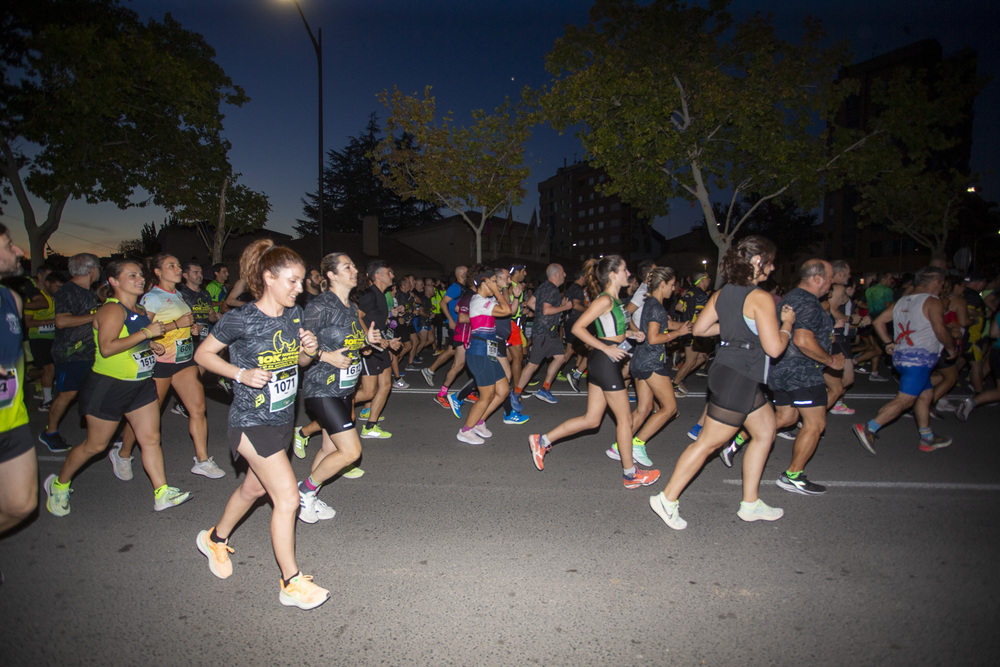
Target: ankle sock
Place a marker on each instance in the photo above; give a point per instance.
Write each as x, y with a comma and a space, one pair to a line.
926, 434
546, 386
873, 426
286, 582
214, 536
630, 472
544, 441
308, 485
792, 475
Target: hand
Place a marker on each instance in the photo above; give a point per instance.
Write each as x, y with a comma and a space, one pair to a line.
685, 329
195, 329
837, 363
340, 358
374, 335
865, 321
307, 339
395, 344
637, 336
184, 320
615, 353
255, 377
566, 304
157, 349
156, 329
787, 317
517, 290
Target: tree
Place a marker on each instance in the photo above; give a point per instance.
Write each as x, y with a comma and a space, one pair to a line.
352, 191
97, 104
144, 246
479, 168
779, 221
679, 101
923, 180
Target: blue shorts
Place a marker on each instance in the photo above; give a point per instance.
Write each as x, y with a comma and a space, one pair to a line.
914, 380
486, 370
71, 374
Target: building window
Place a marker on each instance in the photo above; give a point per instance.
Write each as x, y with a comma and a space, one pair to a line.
590, 212
590, 181
580, 213
590, 227
600, 224
600, 209
579, 199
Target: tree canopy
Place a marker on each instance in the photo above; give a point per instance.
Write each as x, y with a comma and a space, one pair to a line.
352, 190
683, 101
97, 104
478, 168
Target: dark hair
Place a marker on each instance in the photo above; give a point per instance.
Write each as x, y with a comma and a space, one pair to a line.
600, 272
260, 256
115, 267
927, 275
480, 274
735, 266
153, 263
186, 266
658, 276
217, 266
643, 269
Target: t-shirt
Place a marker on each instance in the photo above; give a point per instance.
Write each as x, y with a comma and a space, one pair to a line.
45, 331
546, 326
878, 296
690, 304
482, 325
304, 297
372, 303
575, 292
336, 326
217, 290
638, 300
74, 343
645, 356
257, 340
170, 306
794, 370
200, 302
454, 292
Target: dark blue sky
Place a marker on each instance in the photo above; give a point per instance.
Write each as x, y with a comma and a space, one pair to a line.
473, 53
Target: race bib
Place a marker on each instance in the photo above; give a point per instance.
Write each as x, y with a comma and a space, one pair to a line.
282, 388
8, 388
47, 329
145, 361
349, 376
185, 350
491, 349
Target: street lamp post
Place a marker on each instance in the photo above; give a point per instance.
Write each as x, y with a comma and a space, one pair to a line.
317, 43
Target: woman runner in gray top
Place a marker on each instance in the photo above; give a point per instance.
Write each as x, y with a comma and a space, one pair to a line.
267, 343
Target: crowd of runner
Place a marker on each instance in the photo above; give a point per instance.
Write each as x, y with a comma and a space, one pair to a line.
117, 339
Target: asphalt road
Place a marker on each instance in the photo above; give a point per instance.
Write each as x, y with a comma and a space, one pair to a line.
449, 554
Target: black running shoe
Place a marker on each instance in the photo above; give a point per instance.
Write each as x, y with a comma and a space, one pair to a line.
800, 485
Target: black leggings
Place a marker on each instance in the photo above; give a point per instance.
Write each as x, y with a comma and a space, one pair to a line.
334, 413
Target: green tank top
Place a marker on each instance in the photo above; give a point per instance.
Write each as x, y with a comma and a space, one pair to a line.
135, 363
47, 313
612, 323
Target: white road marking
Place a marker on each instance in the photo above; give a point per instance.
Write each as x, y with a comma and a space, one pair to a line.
935, 486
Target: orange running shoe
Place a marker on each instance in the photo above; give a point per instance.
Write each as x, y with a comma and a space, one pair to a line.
443, 402
538, 452
301, 592
641, 478
216, 553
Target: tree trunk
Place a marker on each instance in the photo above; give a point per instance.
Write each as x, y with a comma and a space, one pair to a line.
219, 240
37, 236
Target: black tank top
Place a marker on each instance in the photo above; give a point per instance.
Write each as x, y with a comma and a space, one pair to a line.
739, 347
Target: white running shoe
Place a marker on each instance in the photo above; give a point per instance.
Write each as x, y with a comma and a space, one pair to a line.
470, 437
207, 468
482, 431
121, 466
759, 511
668, 511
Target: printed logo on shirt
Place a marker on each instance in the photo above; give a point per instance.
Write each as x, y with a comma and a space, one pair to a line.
284, 353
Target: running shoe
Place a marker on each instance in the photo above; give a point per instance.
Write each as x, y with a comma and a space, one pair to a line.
790, 434
515, 417
863, 370
800, 485
299, 442
58, 499
840, 409
442, 401
470, 437
226, 385
324, 511
481, 430
864, 436
574, 381
169, 496
44, 407
875, 377
668, 511
207, 468
352, 472
759, 511
312, 509
538, 452
217, 554
515, 402
934, 414
701, 372
680, 389
454, 405
428, 376
560, 377
526, 394
179, 409
473, 398
639, 453
729, 452
944, 405
964, 409
411, 367
55, 442
546, 395
640, 478
301, 592
532, 383
122, 467
375, 431
364, 412
694, 431
400, 383
939, 442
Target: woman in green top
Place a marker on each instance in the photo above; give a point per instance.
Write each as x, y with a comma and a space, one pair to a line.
120, 385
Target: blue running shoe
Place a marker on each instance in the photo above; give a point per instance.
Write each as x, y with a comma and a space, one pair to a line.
515, 402
456, 406
515, 417
695, 430
545, 395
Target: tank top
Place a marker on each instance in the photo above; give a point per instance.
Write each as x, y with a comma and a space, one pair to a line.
46, 331
135, 363
170, 306
916, 344
739, 346
12, 410
612, 323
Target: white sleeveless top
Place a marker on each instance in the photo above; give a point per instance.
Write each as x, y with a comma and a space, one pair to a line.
916, 344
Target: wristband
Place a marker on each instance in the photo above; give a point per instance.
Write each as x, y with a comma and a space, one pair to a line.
237, 378
148, 335
787, 333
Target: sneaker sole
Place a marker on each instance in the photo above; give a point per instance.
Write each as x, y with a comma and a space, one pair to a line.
304, 519
795, 489
290, 601
160, 508
54, 451
218, 475
550, 401
758, 517
635, 484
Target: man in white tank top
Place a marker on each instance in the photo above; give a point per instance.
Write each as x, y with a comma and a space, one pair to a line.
918, 321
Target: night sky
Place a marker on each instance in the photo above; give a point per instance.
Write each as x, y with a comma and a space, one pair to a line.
472, 54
